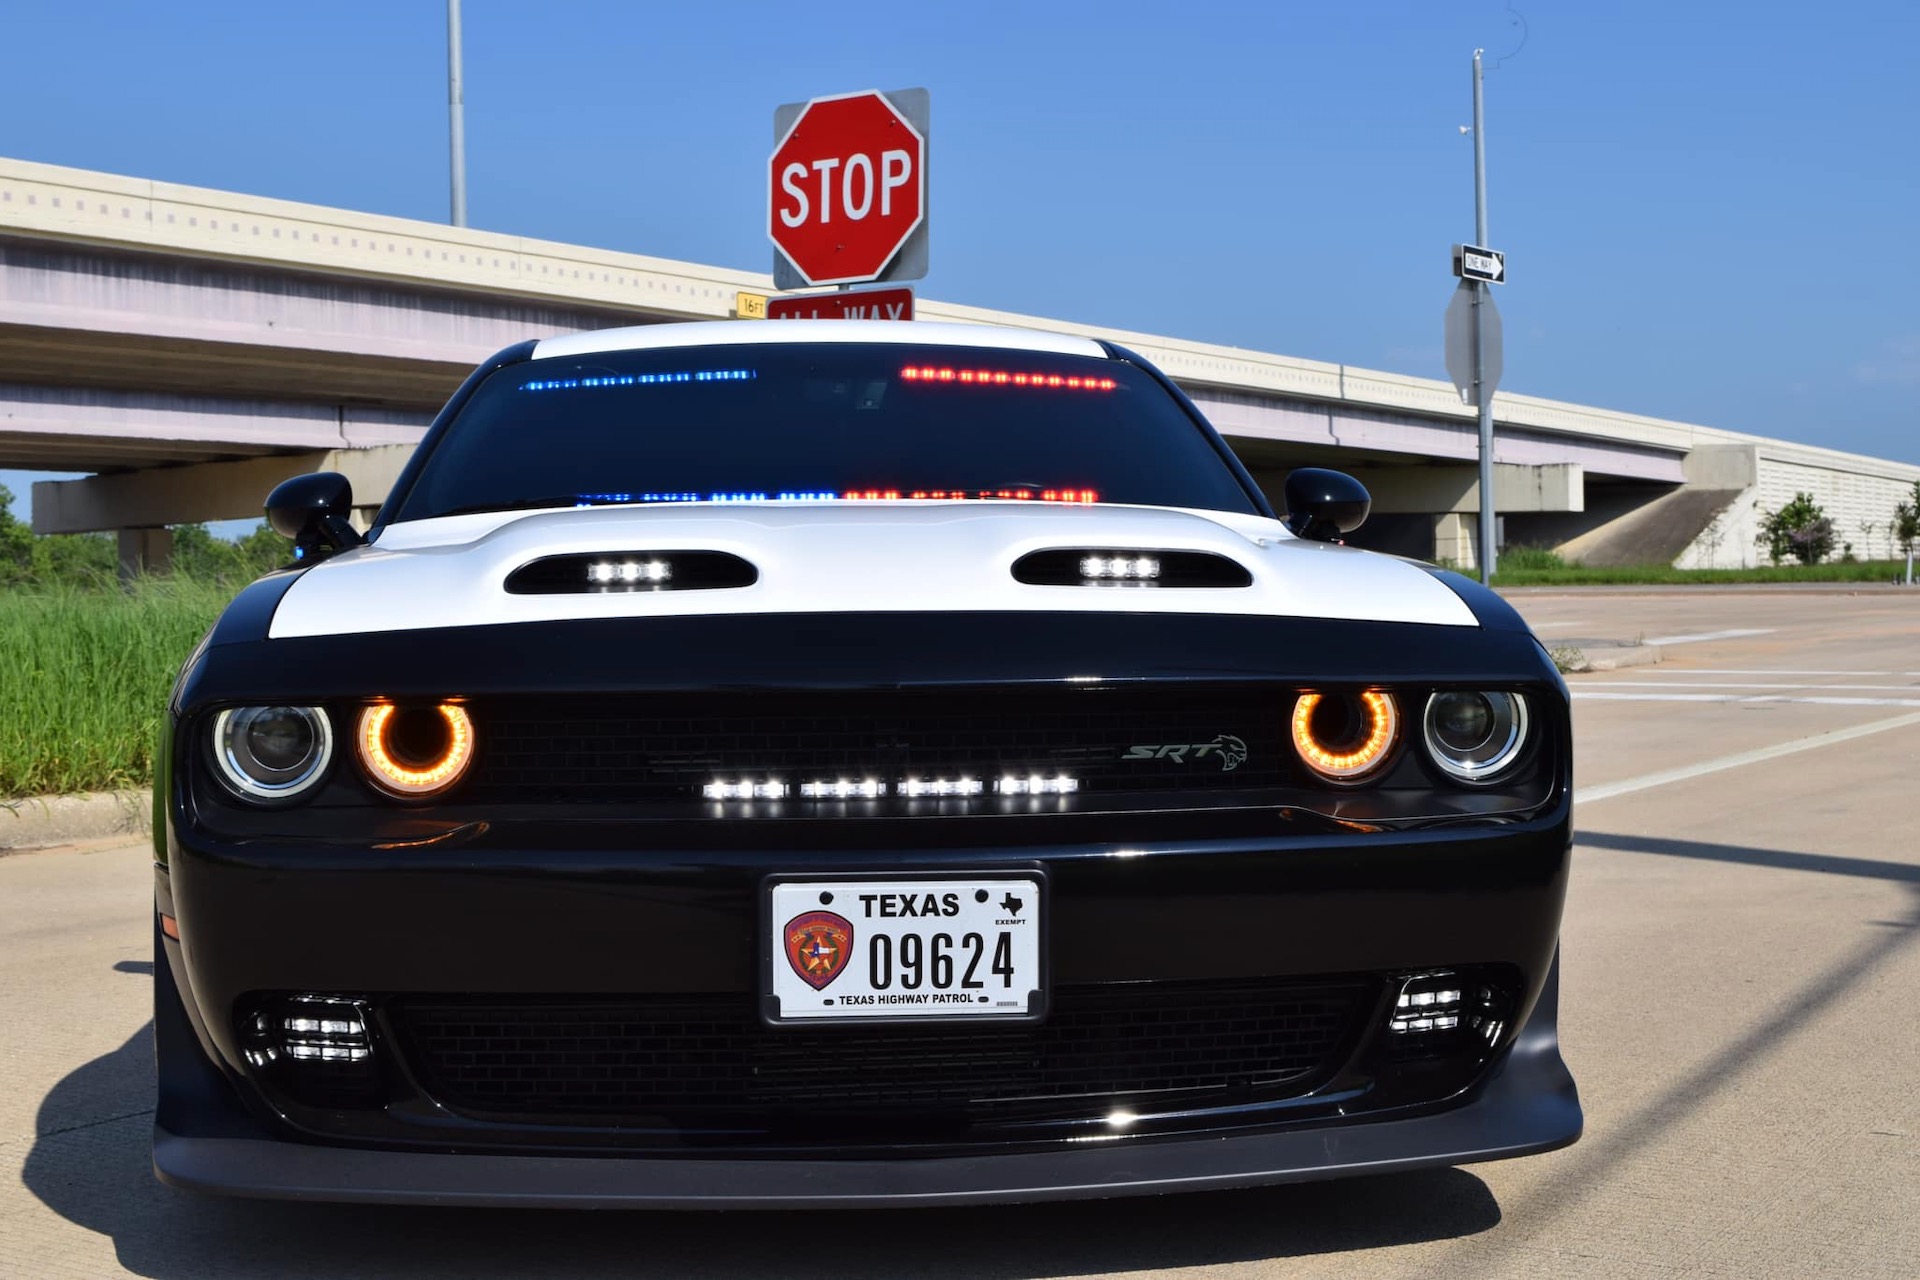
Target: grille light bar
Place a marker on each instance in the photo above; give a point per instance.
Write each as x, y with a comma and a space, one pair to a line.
874, 788
1036, 785
770, 789
843, 789
917, 787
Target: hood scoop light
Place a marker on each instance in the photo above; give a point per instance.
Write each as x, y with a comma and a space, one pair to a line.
615, 572
1129, 567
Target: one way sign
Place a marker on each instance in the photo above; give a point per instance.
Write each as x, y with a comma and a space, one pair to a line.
1471, 262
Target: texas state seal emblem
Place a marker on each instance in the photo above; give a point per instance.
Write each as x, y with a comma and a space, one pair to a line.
818, 944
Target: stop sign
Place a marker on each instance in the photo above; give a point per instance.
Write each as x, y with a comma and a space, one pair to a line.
848, 188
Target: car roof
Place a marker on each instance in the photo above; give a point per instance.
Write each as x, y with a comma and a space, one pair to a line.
726, 333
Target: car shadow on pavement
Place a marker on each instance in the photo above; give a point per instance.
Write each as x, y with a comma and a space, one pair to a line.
91, 1165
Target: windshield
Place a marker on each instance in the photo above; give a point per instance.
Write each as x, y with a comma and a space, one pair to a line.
822, 422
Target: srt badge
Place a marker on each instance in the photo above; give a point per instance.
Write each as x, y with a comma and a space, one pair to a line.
818, 944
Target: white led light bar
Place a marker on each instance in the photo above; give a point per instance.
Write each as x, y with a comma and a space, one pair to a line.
1120, 568
917, 787
768, 789
843, 789
1437, 1009
1036, 785
628, 572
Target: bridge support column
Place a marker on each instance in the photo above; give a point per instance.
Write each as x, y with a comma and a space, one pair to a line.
144, 551
1456, 537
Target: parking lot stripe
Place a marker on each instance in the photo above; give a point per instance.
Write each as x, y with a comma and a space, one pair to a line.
1734, 634
1596, 695
1768, 671
1744, 684
1608, 790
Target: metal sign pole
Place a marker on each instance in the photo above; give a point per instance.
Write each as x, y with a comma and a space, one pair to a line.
456, 115
1481, 398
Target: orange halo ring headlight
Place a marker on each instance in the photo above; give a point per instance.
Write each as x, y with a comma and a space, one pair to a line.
1345, 737
414, 752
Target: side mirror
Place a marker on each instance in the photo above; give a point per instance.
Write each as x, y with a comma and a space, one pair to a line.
1322, 504
313, 510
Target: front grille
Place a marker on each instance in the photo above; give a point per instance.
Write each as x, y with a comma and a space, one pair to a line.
679, 1058
651, 747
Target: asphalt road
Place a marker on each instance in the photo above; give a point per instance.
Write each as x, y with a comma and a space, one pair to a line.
1741, 1008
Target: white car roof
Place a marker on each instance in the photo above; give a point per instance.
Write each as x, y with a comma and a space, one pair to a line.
728, 333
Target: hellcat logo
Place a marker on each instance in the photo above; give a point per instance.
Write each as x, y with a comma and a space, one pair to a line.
1230, 751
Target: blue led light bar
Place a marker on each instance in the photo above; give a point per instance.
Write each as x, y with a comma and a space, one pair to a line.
642, 379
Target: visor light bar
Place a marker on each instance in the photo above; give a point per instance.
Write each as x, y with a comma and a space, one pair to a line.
1005, 378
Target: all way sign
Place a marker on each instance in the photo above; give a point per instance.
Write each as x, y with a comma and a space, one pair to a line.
1471, 262
866, 304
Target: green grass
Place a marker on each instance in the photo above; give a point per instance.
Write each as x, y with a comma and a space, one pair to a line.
1531, 572
84, 676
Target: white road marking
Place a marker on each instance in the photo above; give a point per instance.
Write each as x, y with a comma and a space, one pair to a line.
1558, 623
1765, 671
1734, 634
1606, 791
1746, 684
1598, 696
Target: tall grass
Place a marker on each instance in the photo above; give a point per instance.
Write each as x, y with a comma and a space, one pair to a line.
84, 676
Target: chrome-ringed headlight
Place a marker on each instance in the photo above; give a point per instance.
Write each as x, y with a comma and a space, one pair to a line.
1475, 735
272, 754
1345, 738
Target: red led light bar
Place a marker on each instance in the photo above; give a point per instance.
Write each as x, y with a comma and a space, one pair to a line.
1005, 378
971, 495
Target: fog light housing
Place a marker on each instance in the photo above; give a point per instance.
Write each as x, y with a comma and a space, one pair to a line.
318, 1050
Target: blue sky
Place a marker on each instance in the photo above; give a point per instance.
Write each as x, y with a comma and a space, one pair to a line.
1708, 209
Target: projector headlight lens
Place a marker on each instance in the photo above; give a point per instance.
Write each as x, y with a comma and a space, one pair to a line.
1474, 735
1344, 737
414, 752
272, 755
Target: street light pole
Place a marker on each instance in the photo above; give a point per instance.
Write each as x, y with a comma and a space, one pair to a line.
1482, 400
456, 115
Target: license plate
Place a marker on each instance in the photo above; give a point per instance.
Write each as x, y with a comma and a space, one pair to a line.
875, 948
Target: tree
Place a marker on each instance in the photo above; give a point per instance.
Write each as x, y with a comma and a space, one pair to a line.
1800, 529
1906, 520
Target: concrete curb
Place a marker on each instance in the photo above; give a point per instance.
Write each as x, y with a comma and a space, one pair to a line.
1582, 656
39, 821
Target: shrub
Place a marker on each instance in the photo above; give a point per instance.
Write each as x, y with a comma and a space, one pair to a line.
1800, 529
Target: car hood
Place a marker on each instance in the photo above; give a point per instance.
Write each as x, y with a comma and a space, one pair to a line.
855, 557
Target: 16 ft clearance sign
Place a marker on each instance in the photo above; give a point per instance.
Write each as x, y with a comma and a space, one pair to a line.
848, 187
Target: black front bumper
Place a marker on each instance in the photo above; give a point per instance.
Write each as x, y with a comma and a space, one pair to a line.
517, 925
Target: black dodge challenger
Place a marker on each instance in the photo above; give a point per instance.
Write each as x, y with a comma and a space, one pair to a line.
845, 764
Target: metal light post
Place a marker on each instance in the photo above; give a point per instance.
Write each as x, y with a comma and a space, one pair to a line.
1481, 398
456, 110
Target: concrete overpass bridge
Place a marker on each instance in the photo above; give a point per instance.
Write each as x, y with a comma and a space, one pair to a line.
192, 347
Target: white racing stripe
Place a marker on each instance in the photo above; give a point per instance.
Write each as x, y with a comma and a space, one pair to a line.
1735, 634
1606, 791
1597, 696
